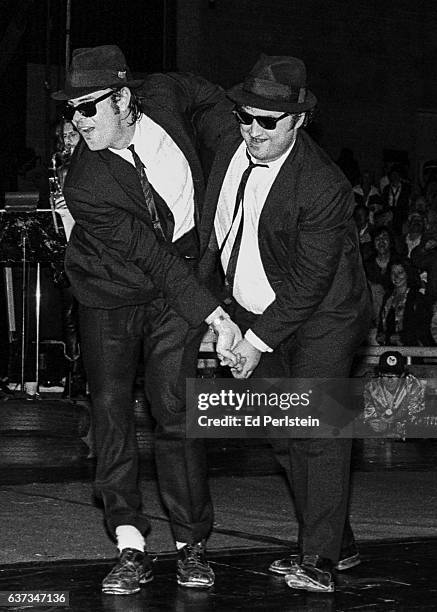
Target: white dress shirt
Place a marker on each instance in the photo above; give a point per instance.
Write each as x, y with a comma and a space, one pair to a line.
167, 170
251, 287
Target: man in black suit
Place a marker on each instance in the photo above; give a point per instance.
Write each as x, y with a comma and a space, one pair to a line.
278, 213
134, 189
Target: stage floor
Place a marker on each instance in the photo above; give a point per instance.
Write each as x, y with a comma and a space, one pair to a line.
397, 575
53, 536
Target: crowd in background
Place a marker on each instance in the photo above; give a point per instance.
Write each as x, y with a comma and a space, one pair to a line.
397, 228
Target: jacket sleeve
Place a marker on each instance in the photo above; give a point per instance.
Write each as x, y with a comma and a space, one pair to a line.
122, 235
172, 275
203, 103
323, 234
206, 107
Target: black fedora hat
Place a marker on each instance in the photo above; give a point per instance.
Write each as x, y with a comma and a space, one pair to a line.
95, 68
277, 83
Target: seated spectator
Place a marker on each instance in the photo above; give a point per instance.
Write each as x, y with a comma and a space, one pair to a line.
405, 313
377, 266
365, 192
413, 236
375, 207
394, 398
383, 217
361, 216
424, 258
396, 196
421, 206
384, 180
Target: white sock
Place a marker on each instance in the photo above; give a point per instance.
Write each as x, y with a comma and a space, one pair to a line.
180, 545
128, 536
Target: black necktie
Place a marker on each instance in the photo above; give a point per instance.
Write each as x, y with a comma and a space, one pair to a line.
232, 264
148, 195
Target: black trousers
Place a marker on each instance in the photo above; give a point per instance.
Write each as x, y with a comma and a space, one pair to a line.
319, 469
111, 344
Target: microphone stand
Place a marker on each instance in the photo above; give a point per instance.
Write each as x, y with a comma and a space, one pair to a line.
23, 307
37, 315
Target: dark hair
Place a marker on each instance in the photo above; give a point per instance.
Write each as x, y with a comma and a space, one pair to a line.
59, 144
383, 229
413, 275
134, 107
309, 116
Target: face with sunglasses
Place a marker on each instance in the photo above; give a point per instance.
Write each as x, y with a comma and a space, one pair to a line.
101, 120
268, 134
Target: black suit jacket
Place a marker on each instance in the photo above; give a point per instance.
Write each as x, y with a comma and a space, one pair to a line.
308, 244
113, 257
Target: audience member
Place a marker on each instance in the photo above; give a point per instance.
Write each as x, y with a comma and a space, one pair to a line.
377, 266
405, 315
383, 217
384, 180
420, 205
424, 258
365, 192
413, 237
396, 196
393, 398
361, 217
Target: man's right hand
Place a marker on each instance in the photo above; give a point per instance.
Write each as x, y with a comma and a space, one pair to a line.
228, 336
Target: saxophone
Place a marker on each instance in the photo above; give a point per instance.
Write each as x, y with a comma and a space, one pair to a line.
55, 188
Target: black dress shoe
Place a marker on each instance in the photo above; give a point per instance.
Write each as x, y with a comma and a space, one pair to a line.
349, 558
193, 570
314, 573
133, 569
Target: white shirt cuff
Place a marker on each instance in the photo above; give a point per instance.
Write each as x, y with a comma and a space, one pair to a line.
257, 342
218, 312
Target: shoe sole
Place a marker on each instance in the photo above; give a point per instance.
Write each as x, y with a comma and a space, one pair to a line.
295, 581
342, 566
120, 592
348, 563
195, 585
115, 591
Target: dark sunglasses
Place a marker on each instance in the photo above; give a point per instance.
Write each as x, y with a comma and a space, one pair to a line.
87, 109
267, 123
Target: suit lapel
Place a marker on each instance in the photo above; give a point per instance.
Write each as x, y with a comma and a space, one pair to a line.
279, 201
126, 176
215, 182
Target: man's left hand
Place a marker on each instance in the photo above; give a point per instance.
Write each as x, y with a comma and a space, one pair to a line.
228, 336
249, 357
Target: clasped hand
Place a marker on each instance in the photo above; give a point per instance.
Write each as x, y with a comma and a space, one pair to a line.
233, 350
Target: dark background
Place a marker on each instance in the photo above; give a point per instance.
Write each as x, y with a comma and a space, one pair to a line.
371, 63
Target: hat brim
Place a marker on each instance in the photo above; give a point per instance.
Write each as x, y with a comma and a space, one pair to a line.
70, 93
243, 97
388, 370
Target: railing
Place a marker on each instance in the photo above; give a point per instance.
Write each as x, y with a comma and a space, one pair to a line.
372, 353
